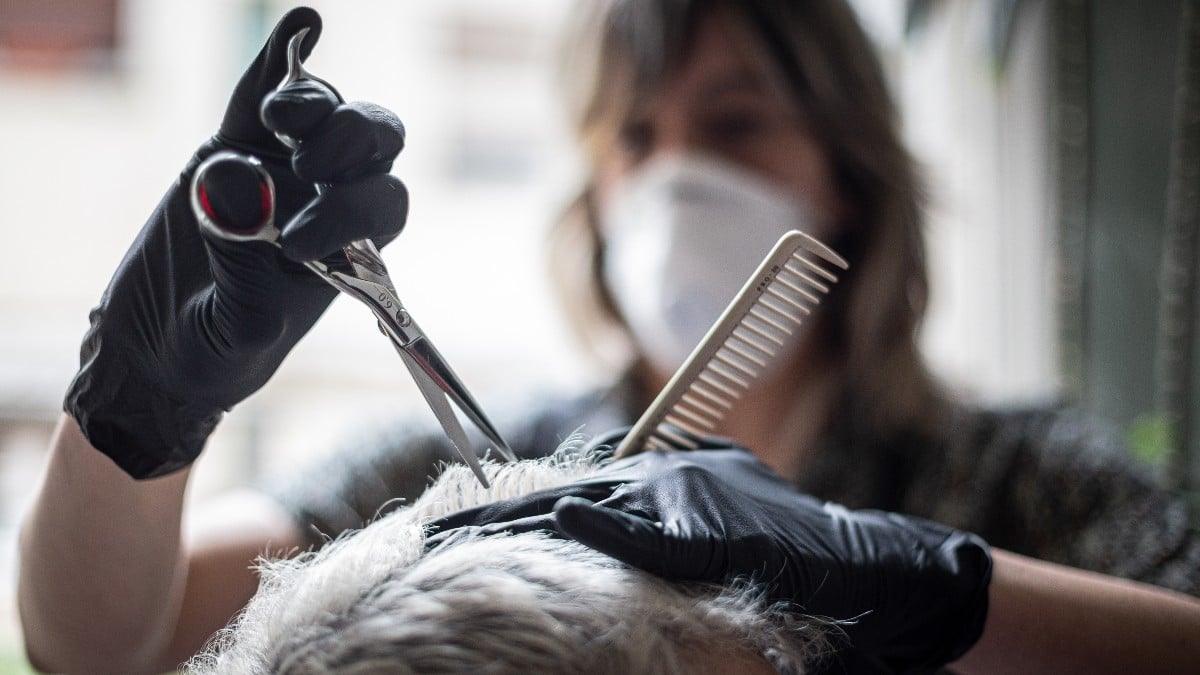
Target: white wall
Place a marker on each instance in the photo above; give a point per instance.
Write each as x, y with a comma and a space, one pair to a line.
980, 129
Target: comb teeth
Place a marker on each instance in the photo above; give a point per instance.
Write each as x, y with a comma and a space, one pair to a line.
781, 294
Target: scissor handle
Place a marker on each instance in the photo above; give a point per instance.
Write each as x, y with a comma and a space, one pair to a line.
296, 72
233, 197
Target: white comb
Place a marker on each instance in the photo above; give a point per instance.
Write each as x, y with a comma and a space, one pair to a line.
778, 297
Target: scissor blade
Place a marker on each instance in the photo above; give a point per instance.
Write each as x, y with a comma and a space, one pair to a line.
431, 362
445, 415
367, 263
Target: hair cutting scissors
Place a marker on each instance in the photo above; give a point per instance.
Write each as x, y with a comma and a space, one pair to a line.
364, 277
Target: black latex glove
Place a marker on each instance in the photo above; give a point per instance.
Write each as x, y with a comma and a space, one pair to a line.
191, 325
916, 590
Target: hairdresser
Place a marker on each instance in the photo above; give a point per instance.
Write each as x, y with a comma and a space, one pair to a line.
777, 113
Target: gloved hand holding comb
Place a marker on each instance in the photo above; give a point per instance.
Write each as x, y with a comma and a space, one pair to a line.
191, 324
914, 593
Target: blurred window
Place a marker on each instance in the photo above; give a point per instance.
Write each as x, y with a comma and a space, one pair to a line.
482, 41
498, 63
53, 35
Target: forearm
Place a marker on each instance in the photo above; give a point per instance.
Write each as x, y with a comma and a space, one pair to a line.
101, 575
1049, 618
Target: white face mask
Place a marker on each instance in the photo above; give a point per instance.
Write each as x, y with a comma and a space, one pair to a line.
681, 236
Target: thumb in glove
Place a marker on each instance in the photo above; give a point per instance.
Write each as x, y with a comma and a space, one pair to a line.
242, 127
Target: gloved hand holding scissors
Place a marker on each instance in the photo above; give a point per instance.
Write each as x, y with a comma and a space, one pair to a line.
191, 324
914, 591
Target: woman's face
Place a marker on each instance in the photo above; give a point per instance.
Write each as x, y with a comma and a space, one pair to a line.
721, 103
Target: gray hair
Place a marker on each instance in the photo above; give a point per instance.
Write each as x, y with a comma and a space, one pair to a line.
375, 601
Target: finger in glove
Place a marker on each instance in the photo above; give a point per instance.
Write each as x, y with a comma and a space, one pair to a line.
535, 523
355, 140
374, 207
299, 107
242, 125
539, 503
630, 538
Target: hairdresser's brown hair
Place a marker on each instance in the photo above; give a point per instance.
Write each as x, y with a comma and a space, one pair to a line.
621, 51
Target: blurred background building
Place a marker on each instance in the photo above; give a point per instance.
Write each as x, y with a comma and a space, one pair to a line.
1061, 141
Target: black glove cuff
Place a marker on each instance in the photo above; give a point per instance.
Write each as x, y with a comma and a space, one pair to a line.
965, 564
974, 559
946, 574
145, 432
